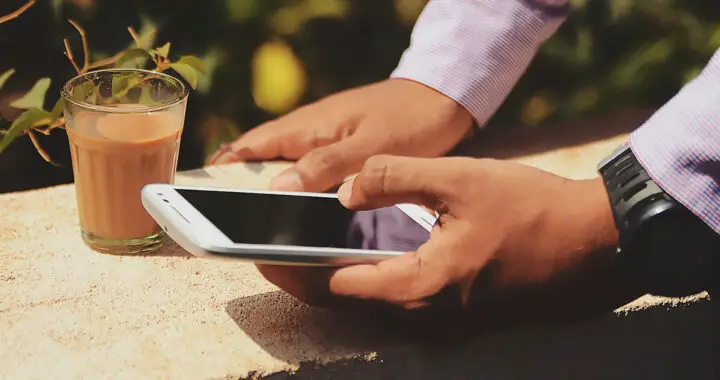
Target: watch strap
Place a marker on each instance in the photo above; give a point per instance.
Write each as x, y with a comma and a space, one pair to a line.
666, 249
631, 191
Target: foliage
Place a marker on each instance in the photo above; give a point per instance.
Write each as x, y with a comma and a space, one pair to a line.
263, 58
608, 56
614, 55
36, 119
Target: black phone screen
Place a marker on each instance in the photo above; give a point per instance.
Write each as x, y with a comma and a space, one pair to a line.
250, 218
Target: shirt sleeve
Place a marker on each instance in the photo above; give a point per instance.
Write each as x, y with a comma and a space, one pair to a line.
679, 145
474, 51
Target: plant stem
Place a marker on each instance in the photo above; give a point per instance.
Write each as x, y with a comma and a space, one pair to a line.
68, 53
105, 62
134, 35
83, 37
40, 150
45, 132
17, 13
162, 66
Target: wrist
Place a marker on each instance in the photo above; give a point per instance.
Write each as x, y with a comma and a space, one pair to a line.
589, 218
449, 112
582, 231
598, 225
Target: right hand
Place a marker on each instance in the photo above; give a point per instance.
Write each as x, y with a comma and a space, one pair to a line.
504, 228
333, 137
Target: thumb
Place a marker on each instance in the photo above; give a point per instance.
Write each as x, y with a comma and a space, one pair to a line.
324, 167
390, 180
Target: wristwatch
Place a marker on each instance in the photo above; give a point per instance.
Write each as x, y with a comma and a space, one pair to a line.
666, 249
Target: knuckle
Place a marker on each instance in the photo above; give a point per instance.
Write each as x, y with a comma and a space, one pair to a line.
423, 287
321, 137
378, 162
325, 159
413, 289
465, 172
320, 163
376, 171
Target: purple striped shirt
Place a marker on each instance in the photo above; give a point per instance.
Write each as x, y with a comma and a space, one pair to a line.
474, 51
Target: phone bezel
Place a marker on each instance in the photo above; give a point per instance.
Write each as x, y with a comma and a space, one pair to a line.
197, 230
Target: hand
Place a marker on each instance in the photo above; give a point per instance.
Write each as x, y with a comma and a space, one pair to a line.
502, 226
332, 138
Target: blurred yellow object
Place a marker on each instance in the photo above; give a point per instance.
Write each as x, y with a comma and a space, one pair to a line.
278, 77
290, 18
241, 10
537, 109
585, 99
409, 10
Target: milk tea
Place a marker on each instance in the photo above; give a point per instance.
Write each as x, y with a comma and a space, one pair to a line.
114, 155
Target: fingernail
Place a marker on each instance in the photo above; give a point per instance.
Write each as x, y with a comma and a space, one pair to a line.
287, 181
345, 191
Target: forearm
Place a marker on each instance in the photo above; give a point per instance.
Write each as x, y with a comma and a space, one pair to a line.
474, 51
680, 145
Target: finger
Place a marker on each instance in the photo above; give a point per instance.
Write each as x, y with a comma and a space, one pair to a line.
308, 284
405, 280
264, 142
325, 167
389, 180
289, 137
256, 142
224, 148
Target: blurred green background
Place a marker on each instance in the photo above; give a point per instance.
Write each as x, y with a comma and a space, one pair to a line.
266, 57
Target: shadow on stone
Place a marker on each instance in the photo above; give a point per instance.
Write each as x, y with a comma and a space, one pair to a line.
649, 344
294, 332
565, 332
195, 173
255, 167
170, 249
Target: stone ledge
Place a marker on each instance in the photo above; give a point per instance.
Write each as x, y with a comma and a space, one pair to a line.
68, 312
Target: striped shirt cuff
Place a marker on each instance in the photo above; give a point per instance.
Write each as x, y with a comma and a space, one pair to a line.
679, 145
474, 51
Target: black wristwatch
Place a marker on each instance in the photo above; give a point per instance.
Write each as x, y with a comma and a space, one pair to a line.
666, 248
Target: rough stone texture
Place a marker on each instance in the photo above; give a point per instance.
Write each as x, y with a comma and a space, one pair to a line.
67, 312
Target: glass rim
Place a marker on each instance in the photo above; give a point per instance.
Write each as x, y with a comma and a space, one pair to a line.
182, 94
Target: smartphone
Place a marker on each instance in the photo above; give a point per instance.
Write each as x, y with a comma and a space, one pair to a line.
271, 227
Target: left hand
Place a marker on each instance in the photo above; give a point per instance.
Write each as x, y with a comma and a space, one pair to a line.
508, 224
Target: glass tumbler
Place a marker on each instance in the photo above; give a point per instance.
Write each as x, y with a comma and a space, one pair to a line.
124, 128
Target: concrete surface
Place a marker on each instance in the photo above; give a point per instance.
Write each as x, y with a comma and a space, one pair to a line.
67, 312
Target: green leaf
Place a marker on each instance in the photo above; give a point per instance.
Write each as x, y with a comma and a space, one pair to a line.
194, 62
57, 7
131, 55
146, 34
5, 76
30, 118
188, 72
122, 84
146, 98
84, 92
164, 50
634, 67
212, 59
620, 9
35, 98
57, 111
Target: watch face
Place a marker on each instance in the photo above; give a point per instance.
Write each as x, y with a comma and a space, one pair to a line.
670, 253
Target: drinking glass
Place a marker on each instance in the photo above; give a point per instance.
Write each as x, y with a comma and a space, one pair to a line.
124, 128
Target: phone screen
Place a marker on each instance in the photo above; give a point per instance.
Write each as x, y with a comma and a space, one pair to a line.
250, 218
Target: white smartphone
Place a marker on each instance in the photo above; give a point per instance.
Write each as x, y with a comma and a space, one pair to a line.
271, 227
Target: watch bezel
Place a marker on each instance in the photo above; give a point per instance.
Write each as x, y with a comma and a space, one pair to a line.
612, 157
